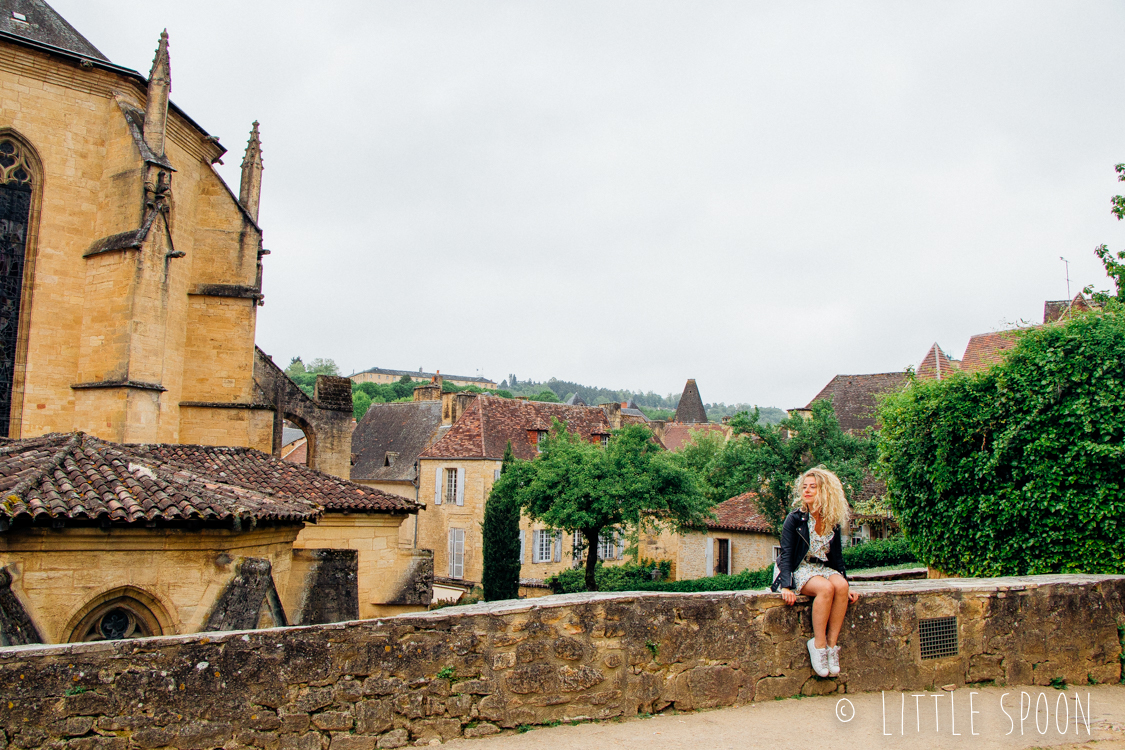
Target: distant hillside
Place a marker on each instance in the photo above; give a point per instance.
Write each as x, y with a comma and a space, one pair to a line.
654, 405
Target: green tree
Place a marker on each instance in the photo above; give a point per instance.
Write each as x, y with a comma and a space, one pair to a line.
1019, 469
1113, 262
321, 366
361, 402
768, 458
501, 533
296, 367
578, 486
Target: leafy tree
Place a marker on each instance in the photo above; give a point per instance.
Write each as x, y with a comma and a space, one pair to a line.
321, 366
361, 402
1114, 267
501, 530
579, 486
296, 367
767, 459
1019, 469
546, 395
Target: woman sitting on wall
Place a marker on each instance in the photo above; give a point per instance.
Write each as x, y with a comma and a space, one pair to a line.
811, 561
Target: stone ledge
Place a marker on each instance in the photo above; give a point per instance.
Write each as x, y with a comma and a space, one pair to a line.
442, 674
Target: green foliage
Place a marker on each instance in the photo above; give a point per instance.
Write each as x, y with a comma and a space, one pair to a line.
501, 533
625, 577
1020, 469
360, 403
321, 366
767, 459
744, 581
445, 673
575, 485
879, 553
296, 367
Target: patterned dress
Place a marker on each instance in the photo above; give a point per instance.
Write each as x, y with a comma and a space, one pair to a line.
818, 547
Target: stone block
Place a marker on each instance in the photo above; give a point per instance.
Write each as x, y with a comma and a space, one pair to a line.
352, 742
373, 716
492, 707
503, 660
394, 738
819, 686
294, 723
98, 743
151, 737
202, 735
459, 705
484, 729
332, 720
713, 686
780, 686
446, 729
475, 687
264, 721
306, 741
534, 678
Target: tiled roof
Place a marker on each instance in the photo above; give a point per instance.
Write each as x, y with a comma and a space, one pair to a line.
254, 470
486, 426
740, 514
404, 429
298, 454
936, 364
1054, 310
81, 478
690, 408
41, 23
677, 435
987, 349
854, 397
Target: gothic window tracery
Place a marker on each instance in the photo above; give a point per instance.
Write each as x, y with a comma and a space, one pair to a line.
16, 184
116, 620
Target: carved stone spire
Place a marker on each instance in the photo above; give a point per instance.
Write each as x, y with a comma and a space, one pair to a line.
159, 87
250, 189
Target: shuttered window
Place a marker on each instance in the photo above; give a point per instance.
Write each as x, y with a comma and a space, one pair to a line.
451, 486
456, 553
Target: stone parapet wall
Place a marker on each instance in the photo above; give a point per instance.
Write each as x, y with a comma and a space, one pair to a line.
471, 671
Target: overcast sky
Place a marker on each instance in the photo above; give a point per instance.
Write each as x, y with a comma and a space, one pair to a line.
629, 194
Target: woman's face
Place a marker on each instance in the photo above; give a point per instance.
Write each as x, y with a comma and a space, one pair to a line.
808, 490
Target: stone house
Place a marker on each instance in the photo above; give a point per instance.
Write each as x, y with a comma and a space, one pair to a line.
101, 540
456, 473
383, 375
738, 538
135, 272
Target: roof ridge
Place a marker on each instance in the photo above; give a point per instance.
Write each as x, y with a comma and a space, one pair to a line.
54, 462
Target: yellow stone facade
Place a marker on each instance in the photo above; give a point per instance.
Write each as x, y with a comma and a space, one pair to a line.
129, 341
688, 552
176, 575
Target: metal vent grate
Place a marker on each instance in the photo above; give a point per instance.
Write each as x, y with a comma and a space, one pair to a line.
938, 637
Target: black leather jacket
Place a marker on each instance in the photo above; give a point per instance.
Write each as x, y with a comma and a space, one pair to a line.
795, 545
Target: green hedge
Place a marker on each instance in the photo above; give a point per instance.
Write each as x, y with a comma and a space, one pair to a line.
1020, 469
627, 577
878, 553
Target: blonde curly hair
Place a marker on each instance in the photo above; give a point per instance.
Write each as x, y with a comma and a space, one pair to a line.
831, 501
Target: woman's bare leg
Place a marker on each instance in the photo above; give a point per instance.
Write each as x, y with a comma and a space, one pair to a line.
822, 591
839, 607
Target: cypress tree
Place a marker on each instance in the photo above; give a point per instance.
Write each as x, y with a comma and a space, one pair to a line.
501, 532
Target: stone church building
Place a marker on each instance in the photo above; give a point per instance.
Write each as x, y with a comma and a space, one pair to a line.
131, 273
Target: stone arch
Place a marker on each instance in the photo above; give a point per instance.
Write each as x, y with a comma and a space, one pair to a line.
21, 198
123, 612
325, 418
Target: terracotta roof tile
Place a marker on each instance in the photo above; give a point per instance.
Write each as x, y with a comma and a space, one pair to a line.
78, 477
936, 365
854, 397
740, 514
257, 471
987, 349
486, 426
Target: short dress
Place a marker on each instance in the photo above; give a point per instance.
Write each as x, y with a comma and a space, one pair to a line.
818, 547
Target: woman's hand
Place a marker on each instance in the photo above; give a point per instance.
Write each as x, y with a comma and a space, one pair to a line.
788, 597
853, 596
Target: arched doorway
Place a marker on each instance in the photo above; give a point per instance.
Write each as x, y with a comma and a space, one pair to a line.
117, 615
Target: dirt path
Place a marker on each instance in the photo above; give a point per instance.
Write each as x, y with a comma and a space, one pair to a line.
807, 723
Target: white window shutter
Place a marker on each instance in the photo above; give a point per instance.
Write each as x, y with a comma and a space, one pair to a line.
523, 536
496, 475
535, 545
620, 546
438, 477
452, 550
710, 557
460, 486
460, 571
558, 546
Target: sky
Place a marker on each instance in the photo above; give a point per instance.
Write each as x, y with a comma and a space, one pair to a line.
759, 196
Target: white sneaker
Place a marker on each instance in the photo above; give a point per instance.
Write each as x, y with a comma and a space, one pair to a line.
833, 660
819, 658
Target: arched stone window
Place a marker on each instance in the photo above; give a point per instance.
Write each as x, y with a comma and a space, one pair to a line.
20, 178
123, 617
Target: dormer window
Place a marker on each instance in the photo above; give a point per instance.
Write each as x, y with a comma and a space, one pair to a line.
605, 440
540, 440
19, 17
389, 458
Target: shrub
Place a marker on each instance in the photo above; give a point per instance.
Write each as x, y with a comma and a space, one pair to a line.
625, 577
1020, 469
878, 553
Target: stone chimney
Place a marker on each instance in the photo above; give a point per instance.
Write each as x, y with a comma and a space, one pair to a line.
159, 89
453, 405
250, 188
430, 391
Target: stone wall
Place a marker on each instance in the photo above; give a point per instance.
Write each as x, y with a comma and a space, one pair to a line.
473, 670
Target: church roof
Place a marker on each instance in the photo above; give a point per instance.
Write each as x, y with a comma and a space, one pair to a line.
37, 21
690, 408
